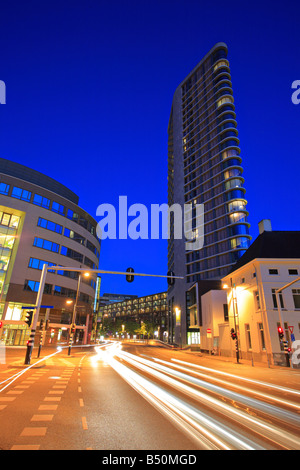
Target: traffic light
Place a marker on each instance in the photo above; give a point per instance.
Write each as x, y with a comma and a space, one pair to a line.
280, 332
1, 324
233, 334
41, 323
28, 318
171, 280
129, 278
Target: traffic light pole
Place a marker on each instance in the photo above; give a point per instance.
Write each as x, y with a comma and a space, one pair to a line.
36, 312
73, 325
79, 270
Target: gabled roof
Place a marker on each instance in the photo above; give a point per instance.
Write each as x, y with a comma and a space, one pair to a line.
273, 244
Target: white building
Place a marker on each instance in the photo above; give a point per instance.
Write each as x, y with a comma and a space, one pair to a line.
271, 262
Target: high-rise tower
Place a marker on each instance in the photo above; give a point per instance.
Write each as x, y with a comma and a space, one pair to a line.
205, 167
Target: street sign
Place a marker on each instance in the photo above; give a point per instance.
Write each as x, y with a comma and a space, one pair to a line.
208, 333
34, 307
292, 337
291, 328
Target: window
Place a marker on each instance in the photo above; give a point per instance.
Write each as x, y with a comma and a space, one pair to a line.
33, 286
4, 188
296, 297
47, 224
9, 220
275, 299
257, 300
58, 290
65, 251
22, 194
38, 264
293, 272
248, 336
74, 236
89, 263
41, 201
225, 310
262, 336
46, 244
273, 271
58, 208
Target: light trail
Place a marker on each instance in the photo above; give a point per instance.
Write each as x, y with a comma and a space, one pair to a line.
14, 377
225, 383
256, 424
203, 430
245, 379
262, 429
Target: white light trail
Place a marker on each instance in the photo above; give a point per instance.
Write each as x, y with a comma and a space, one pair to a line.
257, 425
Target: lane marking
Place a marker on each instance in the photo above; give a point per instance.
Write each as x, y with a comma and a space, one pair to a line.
42, 418
26, 447
47, 407
84, 423
34, 431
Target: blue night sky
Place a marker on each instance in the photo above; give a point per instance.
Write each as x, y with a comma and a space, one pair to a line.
89, 92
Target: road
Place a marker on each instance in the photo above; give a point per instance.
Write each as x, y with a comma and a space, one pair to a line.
139, 397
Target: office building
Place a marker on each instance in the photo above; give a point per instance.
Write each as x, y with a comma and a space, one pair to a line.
42, 223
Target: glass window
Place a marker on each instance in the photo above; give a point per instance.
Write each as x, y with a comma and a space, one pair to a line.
248, 336
293, 272
6, 219
33, 286
4, 188
262, 336
41, 201
14, 221
273, 271
46, 244
296, 297
22, 194
49, 225
58, 208
38, 264
275, 305
71, 254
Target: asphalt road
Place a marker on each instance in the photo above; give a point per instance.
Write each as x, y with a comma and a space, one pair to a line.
139, 397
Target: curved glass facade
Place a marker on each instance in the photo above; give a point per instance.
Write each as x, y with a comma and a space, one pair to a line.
212, 166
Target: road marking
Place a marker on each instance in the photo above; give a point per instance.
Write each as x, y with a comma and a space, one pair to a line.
42, 418
48, 407
84, 423
15, 392
2, 407
59, 386
26, 447
22, 386
79, 390
56, 392
81, 402
7, 398
52, 398
34, 432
